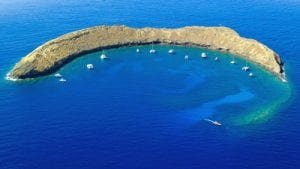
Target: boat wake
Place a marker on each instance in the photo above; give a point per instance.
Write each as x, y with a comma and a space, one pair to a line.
213, 122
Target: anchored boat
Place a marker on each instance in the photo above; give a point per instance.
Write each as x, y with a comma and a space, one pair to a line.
58, 75
186, 57
246, 68
152, 50
171, 51
90, 66
103, 56
203, 55
62, 80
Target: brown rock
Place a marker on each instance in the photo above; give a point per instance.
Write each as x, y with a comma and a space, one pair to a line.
52, 55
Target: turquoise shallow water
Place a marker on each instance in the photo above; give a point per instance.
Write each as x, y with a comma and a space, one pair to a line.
146, 111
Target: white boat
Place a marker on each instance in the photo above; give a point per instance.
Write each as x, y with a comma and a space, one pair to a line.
137, 50
216, 58
245, 68
103, 56
186, 57
251, 74
90, 66
203, 55
232, 61
171, 51
152, 50
58, 75
62, 80
213, 122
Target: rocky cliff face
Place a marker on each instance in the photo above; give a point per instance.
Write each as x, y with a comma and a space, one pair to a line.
52, 55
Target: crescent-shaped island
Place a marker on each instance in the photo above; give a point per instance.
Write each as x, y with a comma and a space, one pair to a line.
55, 53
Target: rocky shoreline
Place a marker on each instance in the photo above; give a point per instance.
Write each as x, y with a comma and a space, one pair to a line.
54, 54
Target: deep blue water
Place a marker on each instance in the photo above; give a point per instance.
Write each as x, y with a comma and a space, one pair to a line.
146, 111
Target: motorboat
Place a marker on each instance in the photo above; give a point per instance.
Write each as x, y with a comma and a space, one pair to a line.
213, 122
58, 75
245, 68
137, 50
203, 55
216, 58
251, 74
62, 80
232, 62
103, 56
171, 51
186, 57
90, 66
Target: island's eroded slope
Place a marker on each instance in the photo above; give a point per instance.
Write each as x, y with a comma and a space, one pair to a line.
52, 55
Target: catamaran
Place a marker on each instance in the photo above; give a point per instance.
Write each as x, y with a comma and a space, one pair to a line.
152, 50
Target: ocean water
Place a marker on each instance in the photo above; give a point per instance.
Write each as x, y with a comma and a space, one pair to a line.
137, 110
